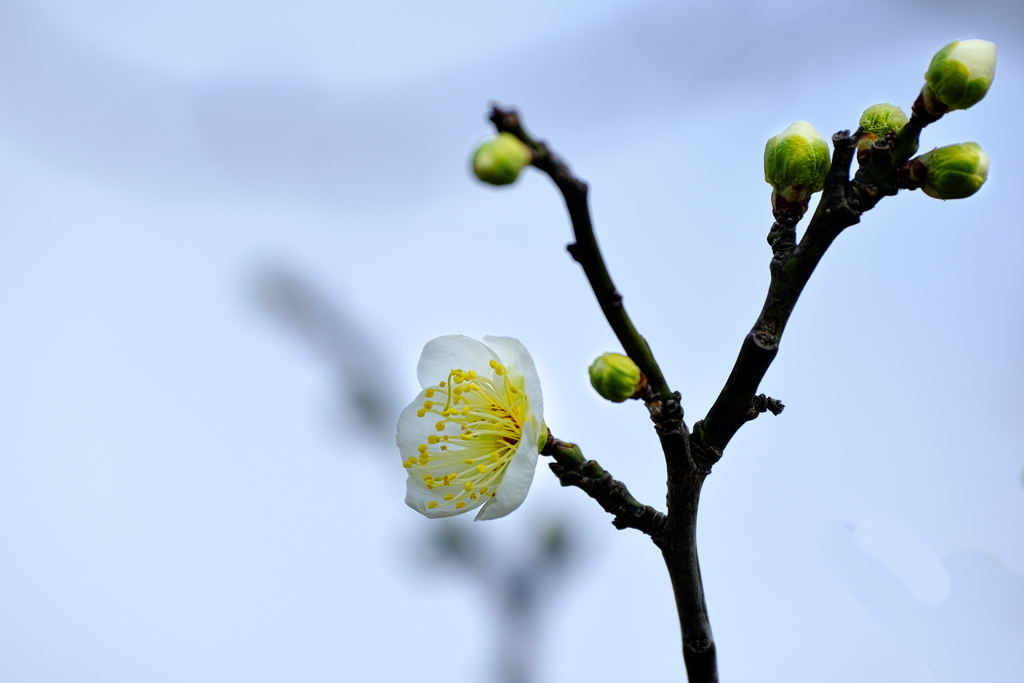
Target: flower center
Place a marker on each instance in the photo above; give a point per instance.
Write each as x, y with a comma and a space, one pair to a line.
480, 425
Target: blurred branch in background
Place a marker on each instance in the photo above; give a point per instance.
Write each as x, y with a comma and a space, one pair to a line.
333, 333
293, 136
518, 581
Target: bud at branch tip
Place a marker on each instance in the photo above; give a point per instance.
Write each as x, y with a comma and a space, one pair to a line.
952, 172
499, 160
959, 76
796, 162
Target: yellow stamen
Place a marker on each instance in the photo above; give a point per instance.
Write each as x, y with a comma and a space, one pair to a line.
487, 411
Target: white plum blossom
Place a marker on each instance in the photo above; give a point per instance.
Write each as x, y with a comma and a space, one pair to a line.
472, 436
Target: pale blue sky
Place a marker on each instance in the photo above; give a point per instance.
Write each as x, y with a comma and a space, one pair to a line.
180, 499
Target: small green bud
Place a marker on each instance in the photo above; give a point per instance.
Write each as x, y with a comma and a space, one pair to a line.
952, 172
959, 75
616, 377
881, 118
499, 160
796, 162
875, 123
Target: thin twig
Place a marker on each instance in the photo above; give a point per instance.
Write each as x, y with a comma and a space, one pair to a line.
572, 469
674, 532
586, 251
842, 203
689, 458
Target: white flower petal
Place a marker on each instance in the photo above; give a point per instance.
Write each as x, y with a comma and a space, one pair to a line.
412, 429
517, 480
419, 498
470, 437
514, 355
444, 354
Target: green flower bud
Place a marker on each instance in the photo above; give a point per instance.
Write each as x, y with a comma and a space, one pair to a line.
952, 172
499, 160
875, 123
796, 162
881, 118
959, 75
616, 377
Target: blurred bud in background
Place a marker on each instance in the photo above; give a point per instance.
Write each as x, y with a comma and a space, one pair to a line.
499, 160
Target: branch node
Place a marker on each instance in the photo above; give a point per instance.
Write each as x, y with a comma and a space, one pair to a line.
698, 644
782, 238
766, 404
666, 413
611, 494
585, 251
765, 340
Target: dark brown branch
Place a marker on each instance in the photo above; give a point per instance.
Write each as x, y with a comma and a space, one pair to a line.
572, 469
586, 251
680, 552
689, 458
767, 404
674, 532
790, 271
842, 203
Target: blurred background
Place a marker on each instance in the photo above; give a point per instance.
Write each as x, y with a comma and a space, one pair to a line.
227, 229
